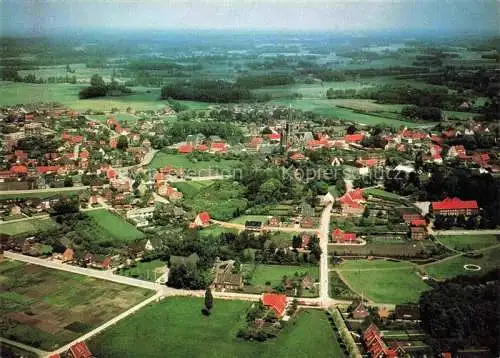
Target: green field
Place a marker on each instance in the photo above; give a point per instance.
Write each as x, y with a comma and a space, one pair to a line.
455, 266
67, 94
144, 270
385, 249
384, 282
30, 226
115, 226
200, 168
244, 218
216, 230
191, 188
382, 194
274, 273
47, 308
468, 242
182, 331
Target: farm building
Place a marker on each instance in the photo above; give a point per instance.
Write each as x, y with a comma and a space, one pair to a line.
454, 207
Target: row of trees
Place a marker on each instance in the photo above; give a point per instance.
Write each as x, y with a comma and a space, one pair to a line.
98, 88
207, 91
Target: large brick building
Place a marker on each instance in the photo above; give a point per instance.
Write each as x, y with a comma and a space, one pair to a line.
455, 206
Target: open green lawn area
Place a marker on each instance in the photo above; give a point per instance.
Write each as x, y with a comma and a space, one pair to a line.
455, 266
47, 308
244, 218
200, 168
115, 226
274, 273
387, 282
30, 226
216, 230
191, 188
386, 249
182, 331
379, 193
327, 108
148, 271
469, 242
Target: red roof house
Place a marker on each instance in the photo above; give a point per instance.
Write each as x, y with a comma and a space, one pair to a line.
218, 147
202, 219
343, 237
276, 302
110, 173
19, 169
351, 202
201, 148
354, 138
297, 156
45, 169
455, 206
185, 149
418, 222
80, 350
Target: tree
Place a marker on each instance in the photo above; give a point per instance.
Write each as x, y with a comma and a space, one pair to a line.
366, 212
122, 142
209, 300
68, 181
351, 129
296, 241
97, 81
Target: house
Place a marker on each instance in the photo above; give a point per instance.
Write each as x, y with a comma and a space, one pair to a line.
454, 207
101, 262
306, 222
297, 157
170, 192
408, 214
376, 346
225, 279
351, 202
306, 239
185, 149
457, 151
407, 312
80, 350
274, 221
15, 210
251, 225
276, 302
359, 311
68, 255
354, 138
202, 219
343, 237
418, 229
365, 165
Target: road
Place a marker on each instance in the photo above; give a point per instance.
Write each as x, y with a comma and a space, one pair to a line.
148, 157
463, 232
174, 179
37, 351
48, 190
323, 264
265, 228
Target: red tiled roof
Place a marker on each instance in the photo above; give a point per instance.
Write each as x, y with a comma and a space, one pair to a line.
436, 139
204, 217
276, 302
354, 138
418, 222
84, 154
202, 148
257, 140
368, 162
76, 139
47, 169
19, 169
297, 156
305, 241
274, 136
355, 195
110, 173
185, 148
80, 350
454, 203
414, 135
339, 235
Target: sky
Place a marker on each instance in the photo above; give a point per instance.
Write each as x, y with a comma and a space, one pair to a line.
37, 17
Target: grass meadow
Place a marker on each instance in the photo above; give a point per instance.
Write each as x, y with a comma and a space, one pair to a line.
115, 226
177, 326
31, 226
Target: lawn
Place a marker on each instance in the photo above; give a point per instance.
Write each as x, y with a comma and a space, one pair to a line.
31, 226
216, 230
453, 267
47, 308
191, 188
382, 194
386, 282
41, 195
468, 242
185, 332
244, 218
389, 249
115, 226
145, 270
196, 168
274, 273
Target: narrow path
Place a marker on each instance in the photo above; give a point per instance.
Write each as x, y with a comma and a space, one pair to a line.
323, 263
264, 228
460, 254
37, 351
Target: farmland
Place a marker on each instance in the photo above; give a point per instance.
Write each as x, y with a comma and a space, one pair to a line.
30, 226
216, 230
244, 218
115, 226
41, 195
199, 168
192, 188
384, 281
468, 242
387, 249
47, 308
186, 332
455, 266
382, 194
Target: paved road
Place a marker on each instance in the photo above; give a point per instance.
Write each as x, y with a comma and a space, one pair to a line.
174, 179
148, 157
323, 264
266, 228
37, 351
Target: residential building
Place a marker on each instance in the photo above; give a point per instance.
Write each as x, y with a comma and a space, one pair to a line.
202, 219
276, 302
339, 236
225, 279
454, 207
359, 311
